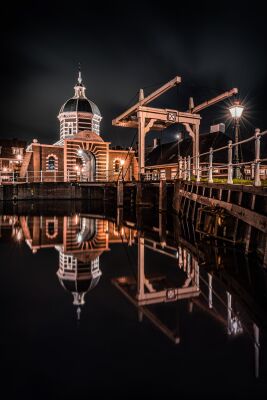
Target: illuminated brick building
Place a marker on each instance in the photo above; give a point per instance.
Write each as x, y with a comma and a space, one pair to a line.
80, 154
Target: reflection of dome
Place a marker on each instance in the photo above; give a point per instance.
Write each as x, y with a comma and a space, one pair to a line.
79, 276
76, 104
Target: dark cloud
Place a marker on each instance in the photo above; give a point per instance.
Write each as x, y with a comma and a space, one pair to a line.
122, 48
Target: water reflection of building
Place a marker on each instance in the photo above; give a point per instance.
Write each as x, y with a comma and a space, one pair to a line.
84, 240
80, 241
10, 226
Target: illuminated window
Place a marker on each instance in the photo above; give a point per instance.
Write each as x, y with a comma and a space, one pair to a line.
17, 150
51, 228
51, 163
117, 166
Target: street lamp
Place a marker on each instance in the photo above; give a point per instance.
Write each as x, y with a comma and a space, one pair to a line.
236, 111
179, 138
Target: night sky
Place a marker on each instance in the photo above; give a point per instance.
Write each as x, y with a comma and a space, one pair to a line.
213, 47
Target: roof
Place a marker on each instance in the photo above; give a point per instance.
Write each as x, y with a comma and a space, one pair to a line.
80, 104
87, 135
12, 142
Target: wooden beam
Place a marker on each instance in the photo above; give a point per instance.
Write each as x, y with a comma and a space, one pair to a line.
252, 218
215, 100
134, 124
169, 116
175, 81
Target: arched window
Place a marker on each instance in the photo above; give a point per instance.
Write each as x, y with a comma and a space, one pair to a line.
51, 163
51, 228
117, 166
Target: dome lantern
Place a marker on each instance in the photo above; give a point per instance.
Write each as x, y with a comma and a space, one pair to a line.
78, 113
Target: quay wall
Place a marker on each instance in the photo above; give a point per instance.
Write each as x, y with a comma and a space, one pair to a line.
57, 191
234, 213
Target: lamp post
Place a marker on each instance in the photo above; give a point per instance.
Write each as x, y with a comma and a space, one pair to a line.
178, 137
236, 111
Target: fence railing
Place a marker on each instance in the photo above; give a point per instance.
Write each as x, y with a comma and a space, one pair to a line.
191, 166
59, 176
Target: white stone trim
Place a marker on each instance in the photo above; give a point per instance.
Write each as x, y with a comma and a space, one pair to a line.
47, 163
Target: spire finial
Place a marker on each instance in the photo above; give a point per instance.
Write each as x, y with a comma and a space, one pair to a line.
80, 74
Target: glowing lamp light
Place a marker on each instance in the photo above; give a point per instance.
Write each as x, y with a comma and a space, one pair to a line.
122, 162
236, 110
79, 238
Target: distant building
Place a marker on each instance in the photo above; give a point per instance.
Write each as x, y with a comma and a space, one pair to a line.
12, 152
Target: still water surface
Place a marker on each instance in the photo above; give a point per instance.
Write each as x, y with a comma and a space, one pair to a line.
140, 309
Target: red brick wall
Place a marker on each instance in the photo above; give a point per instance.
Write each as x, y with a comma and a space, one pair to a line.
39, 162
129, 161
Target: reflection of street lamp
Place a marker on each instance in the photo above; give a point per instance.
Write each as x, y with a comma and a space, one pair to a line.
236, 111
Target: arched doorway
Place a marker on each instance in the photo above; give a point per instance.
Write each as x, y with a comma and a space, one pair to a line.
88, 170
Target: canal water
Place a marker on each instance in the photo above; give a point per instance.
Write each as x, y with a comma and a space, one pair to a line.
129, 306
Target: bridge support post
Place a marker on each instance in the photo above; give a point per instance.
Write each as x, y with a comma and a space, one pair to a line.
180, 167
119, 218
120, 194
257, 181
257, 348
253, 170
210, 291
141, 143
230, 163
138, 199
162, 195
188, 168
184, 169
162, 228
210, 179
197, 168
141, 267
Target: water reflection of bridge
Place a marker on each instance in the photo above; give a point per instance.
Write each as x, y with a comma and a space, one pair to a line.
208, 283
